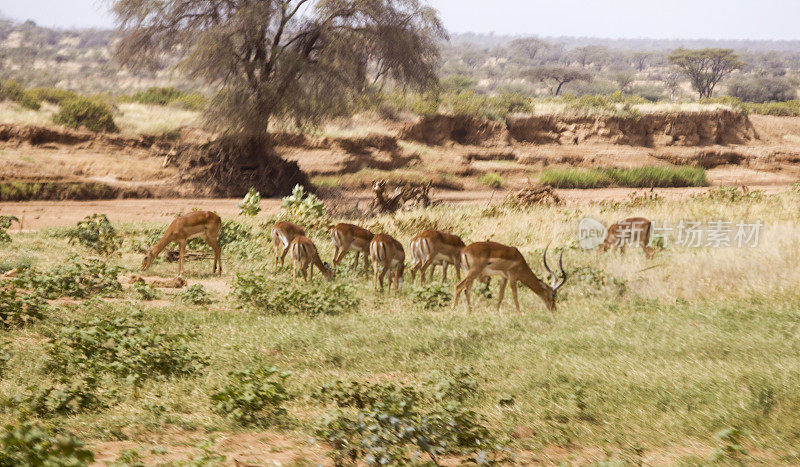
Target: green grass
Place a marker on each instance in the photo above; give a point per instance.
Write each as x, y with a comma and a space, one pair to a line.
651, 357
637, 177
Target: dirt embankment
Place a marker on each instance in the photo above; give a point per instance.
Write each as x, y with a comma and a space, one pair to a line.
657, 129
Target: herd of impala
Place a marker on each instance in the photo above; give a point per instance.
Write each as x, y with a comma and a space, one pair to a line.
387, 255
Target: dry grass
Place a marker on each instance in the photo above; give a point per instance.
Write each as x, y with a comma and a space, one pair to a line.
144, 119
13, 113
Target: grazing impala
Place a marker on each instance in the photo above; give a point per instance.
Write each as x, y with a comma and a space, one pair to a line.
203, 224
631, 231
434, 247
495, 259
282, 235
304, 254
347, 237
385, 251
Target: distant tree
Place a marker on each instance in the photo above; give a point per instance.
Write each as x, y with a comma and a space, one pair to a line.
640, 60
528, 50
556, 77
672, 81
624, 79
474, 57
762, 89
299, 59
590, 55
705, 67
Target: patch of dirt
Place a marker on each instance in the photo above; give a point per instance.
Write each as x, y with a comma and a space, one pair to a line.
441, 129
534, 195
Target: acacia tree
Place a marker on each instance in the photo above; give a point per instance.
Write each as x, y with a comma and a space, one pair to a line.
556, 77
528, 50
705, 67
298, 59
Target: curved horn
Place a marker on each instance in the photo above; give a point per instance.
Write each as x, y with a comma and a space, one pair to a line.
544, 258
563, 272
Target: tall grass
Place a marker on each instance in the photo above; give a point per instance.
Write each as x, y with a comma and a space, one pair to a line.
636, 177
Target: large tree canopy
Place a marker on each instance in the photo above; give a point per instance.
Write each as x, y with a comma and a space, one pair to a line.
705, 67
299, 59
556, 76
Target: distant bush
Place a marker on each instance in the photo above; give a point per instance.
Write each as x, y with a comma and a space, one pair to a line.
194, 295
144, 291
53, 95
13, 91
26, 443
492, 180
5, 224
18, 309
761, 89
170, 96
283, 298
252, 397
74, 278
68, 396
779, 109
125, 347
637, 177
84, 112
96, 233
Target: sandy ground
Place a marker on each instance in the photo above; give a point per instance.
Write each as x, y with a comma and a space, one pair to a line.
42, 214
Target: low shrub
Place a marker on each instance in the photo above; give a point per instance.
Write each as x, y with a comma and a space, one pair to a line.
432, 296
5, 224
26, 443
282, 298
53, 95
68, 396
251, 204
304, 207
636, 177
492, 180
96, 233
74, 278
194, 295
732, 194
15, 92
253, 396
169, 96
124, 347
84, 112
18, 309
144, 291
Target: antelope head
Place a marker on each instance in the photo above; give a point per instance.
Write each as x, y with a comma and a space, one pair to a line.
555, 283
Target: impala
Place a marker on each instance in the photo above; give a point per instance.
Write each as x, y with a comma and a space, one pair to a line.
203, 224
495, 259
304, 254
385, 251
349, 237
433, 247
282, 235
631, 231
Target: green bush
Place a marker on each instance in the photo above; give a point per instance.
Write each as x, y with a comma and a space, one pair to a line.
169, 96
492, 180
144, 291
637, 177
124, 347
73, 278
85, 112
70, 396
252, 397
5, 224
194, 295
303, 205
732, 194
432, 296
251, 204
19, 309
53, 95
13, 91
29, 444
273, 297
96, 233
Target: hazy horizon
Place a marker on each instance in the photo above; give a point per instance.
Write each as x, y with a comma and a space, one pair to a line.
611, 19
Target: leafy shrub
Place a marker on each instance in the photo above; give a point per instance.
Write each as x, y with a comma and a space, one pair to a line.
492, 180
384, 423
195, 295
636, 177
74, 278
125, 347
19, 309
53, 95
251, 204
96, 233
303, 205
170, 96
458, 384
779, 109
13, 91
5, 224
144, 291
252, 397
282, 298
233, 232
732, 194
84, 112
432, 296
25, 443
69, 396
762, 89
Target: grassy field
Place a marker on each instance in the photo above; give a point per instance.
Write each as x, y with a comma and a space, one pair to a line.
636, 177
643, 360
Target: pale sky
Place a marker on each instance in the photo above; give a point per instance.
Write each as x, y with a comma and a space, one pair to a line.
659, 19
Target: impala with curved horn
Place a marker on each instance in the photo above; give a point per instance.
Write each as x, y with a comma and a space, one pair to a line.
495, 259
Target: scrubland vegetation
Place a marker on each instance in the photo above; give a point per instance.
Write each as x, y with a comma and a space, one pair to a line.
637, 177
676, 360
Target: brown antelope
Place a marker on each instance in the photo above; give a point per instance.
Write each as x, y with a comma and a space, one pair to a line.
631, 231
203, 224
347, 237
385, 251
304, 254
495, 259
282, 235
434, 247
